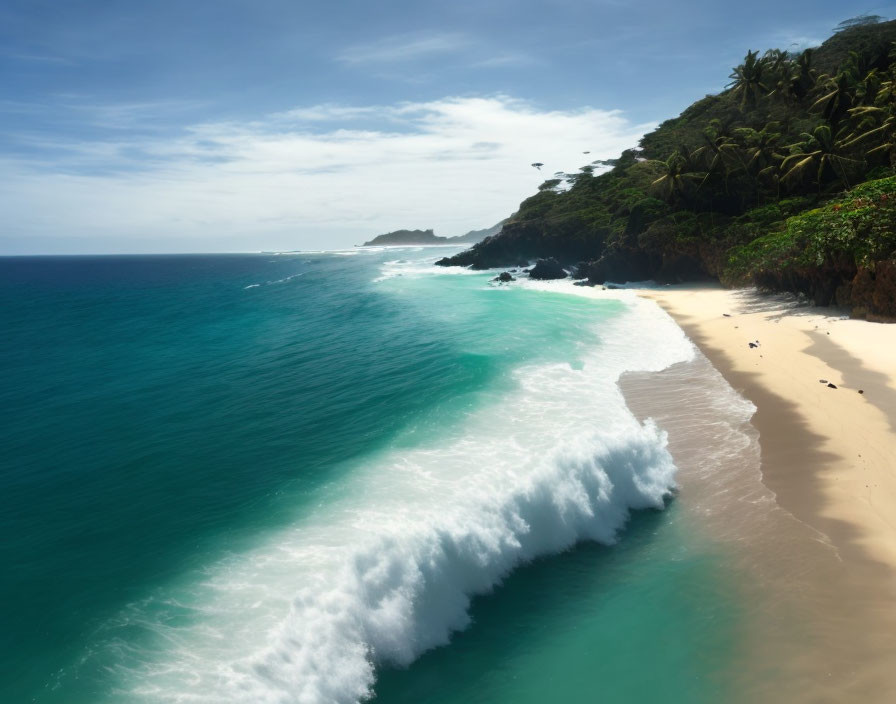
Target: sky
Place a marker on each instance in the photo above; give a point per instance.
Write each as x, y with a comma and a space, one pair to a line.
130, 126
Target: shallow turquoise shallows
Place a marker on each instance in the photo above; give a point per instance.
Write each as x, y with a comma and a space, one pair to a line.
325, 477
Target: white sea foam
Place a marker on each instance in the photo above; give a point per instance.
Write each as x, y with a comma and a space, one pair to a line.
277, 281
386, 569
416, 268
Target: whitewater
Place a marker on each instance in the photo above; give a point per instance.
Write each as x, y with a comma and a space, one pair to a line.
384, 567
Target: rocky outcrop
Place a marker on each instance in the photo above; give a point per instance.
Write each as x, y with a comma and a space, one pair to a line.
504, 277
519, 242
547, 269
869, 292
872, 292
619, 265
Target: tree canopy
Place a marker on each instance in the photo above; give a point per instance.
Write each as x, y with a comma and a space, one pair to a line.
790, 133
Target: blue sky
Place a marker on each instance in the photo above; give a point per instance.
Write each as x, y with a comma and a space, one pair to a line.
234, 125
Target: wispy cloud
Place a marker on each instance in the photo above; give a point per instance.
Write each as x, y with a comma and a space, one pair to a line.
386, 55
404, 47
507, 60
130, 115
283, 181
38, 58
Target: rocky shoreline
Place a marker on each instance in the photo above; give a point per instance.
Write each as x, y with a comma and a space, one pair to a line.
868, 292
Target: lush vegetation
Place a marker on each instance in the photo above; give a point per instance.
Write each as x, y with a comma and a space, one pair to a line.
785, 179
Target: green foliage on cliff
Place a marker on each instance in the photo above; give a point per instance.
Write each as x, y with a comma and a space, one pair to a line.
860, 226
741, 183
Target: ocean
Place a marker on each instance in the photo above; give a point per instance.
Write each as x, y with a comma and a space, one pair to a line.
346, 476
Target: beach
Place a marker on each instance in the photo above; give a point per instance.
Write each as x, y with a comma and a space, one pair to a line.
824, 388
828, 454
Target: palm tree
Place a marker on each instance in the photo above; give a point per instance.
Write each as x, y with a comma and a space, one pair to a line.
877, 122
804, 75
874, 115
760, 161
883, 128
679, 177
867, 90
718, 153
747, 80
796, 79
837, 96
818, 153
840, 93
758, 148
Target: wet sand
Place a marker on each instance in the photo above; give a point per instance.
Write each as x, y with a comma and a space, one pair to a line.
800, 493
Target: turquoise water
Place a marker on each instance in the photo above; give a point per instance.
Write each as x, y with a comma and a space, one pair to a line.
319, 477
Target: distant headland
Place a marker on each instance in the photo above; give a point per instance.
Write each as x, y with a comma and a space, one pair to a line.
405, 237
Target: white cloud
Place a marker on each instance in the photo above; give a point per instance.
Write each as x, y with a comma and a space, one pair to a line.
283, 182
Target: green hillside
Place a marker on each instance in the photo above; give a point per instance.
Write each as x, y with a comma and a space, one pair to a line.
785, 179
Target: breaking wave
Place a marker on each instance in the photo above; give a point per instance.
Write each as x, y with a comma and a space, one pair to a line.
385, 568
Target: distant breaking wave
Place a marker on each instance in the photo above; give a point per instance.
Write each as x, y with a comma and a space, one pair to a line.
386, 569
278, 281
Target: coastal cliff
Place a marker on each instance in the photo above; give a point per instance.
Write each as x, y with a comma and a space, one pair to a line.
786, 180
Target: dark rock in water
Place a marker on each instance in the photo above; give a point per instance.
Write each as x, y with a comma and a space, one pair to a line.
583, 282
612, 287
513, 246
546, 269
445, 261
504, 277
832, 386
523, 265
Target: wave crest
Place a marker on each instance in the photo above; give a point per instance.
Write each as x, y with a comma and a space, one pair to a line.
385, 569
